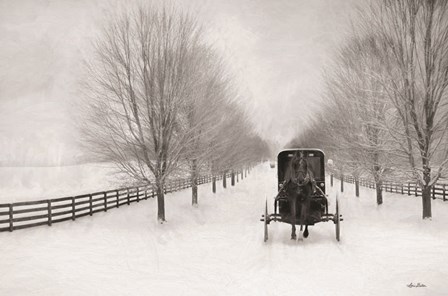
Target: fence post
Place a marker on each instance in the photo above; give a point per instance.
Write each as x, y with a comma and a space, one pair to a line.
10, 218
402, 191
342, 183
49, 211
331, 180
416, 192
224, 180
232, 178
214, 184
128, 198
105, 201
91, 205
73, 209
433, 191
443, 192
118, 198
138, 194
409, 188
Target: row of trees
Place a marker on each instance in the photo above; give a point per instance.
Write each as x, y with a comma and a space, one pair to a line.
160, 102
385, 113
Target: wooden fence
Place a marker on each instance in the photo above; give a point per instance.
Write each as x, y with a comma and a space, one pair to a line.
438, 191
19, 215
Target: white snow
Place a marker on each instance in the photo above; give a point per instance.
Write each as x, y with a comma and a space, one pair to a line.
36, 183
218, 249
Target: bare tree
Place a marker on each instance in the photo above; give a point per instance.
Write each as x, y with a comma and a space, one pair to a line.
203, 113
236, 145
138, 80
368, 143
350, 125
414, 35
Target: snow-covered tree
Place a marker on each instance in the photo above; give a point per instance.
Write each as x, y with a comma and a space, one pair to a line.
202, 113
363, 98
236, 144
160, 103
138, 82
414, 38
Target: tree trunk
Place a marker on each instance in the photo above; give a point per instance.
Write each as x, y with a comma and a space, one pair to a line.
194, 183
378, 178
426, 201
160, 202
426, 192
379, 190
214, 184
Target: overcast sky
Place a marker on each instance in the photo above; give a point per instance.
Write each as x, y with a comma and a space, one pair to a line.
276, 50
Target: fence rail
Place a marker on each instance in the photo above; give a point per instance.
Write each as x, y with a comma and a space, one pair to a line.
438, 191
20, 215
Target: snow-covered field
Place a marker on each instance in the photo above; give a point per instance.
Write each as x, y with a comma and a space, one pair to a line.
218, 249
35, 183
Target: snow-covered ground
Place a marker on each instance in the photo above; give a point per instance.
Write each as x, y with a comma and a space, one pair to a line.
218, 249
35, 183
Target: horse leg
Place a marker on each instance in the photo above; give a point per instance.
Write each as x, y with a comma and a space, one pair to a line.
304, 214
301, 222
293, 218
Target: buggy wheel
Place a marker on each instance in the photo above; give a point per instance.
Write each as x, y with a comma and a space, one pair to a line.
337, 220
266, 221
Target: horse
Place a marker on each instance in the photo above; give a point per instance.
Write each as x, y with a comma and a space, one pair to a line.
299, 186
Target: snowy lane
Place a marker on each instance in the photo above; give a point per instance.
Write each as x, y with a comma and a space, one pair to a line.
218, 249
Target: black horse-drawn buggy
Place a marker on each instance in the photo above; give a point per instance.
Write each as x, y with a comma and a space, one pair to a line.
301, 198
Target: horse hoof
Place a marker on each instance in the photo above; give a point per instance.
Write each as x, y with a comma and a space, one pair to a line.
293, 237
306, 233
